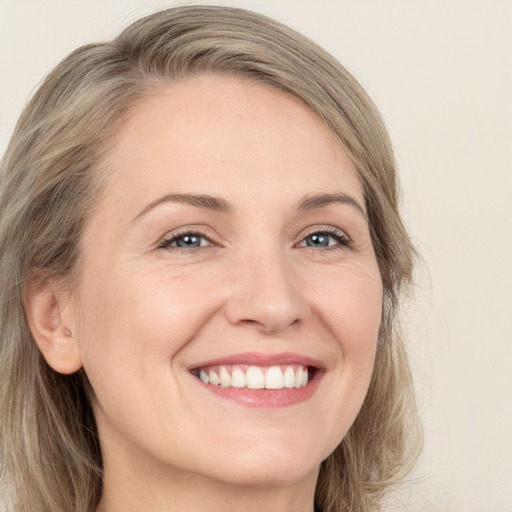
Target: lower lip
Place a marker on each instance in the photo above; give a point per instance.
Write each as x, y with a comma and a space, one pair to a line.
266, 397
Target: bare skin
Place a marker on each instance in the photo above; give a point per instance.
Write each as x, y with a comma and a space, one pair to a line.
233, 226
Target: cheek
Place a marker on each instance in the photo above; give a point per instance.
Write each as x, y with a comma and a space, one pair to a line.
142, 315
363, 317
352, 313
350, 301
135, 323
347, 302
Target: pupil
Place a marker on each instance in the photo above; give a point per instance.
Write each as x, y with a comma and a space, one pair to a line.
189, 241
318, 241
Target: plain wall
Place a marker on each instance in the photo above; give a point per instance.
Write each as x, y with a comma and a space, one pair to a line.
441, 73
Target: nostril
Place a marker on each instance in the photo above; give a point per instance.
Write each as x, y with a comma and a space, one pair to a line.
266, 296
262, 316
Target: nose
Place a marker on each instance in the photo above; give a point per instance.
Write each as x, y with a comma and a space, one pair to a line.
265, 295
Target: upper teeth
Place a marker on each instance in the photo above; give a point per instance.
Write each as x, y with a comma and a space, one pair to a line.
255, 377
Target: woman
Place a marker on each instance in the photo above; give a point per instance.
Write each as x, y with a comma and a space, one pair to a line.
201, 261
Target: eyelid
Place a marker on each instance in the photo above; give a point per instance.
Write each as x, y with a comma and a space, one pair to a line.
165, 241
344, 238
173, 235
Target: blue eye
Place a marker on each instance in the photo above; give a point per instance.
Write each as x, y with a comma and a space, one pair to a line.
186, 241
324, 239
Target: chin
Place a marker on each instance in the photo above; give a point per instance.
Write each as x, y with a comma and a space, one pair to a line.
280, 476
277, 468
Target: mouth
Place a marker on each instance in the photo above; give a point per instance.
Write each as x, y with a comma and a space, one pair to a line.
256, 377
261, 380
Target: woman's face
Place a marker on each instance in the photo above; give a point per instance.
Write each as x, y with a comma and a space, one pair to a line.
231, 245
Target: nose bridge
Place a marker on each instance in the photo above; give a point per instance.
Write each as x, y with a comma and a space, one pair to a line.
266, 293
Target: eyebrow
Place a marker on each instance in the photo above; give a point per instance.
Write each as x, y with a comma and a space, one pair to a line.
204, 201
321, 200
217, 204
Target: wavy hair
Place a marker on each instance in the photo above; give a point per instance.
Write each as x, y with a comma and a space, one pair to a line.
49, 449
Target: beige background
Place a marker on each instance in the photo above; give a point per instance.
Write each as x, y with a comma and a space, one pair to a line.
441, 73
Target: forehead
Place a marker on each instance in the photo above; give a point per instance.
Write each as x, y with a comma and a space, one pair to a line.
218, 130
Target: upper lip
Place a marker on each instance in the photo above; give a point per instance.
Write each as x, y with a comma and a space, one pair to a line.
260, 359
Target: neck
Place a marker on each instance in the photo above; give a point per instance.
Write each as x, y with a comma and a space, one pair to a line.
134, 484
193, 493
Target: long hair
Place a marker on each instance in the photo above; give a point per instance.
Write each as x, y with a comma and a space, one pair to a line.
50, 182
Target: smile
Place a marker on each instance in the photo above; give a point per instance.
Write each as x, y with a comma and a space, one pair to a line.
255, 377
261, 380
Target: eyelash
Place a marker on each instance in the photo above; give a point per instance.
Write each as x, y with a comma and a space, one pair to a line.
340, 236
343, 241
166, 243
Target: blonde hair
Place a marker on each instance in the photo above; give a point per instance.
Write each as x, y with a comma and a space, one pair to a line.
50, 455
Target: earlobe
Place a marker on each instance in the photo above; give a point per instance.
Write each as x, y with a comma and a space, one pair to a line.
52, 325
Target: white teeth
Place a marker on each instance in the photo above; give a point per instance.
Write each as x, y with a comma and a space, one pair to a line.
274, 378
298, 377
214, 378
255, 378
289, 378
238, 379
304, 378
225, 378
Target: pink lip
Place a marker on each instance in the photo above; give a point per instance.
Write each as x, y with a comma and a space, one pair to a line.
262, 398
259, 359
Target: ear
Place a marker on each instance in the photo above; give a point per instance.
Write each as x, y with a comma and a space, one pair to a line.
52, 325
